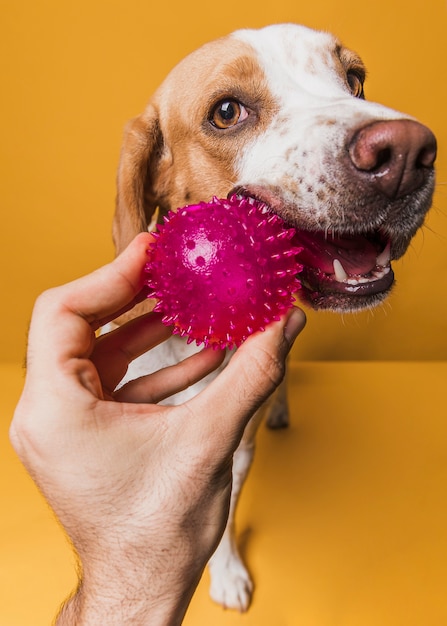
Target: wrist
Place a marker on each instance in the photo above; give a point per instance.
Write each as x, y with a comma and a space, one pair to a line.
127, 591
93, 608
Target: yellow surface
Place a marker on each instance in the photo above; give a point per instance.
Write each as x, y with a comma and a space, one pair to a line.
343, 520
74, 72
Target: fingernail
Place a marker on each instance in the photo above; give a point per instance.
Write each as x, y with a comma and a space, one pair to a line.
294, 325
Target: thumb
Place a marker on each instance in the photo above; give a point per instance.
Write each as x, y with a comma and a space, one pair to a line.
253, 373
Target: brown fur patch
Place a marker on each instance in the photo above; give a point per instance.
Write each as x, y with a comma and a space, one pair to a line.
172, 156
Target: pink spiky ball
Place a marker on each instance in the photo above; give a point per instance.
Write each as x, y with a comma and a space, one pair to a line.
222, 270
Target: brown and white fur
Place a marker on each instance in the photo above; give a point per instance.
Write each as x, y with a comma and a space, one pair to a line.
279, 114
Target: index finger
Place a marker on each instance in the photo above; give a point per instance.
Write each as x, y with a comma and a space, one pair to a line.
105, 292
65, 317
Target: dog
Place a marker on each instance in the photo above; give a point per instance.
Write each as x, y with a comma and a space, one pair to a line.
279, 115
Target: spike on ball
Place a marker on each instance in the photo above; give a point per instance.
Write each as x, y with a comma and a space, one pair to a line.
222, 270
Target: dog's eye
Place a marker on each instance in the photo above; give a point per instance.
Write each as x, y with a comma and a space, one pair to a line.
228, 113
355, 82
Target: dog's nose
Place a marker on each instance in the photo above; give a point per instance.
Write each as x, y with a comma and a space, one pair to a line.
396, 155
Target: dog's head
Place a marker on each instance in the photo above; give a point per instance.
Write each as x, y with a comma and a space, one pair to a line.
279, 114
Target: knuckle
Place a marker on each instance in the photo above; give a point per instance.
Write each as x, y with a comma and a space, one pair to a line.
270, 368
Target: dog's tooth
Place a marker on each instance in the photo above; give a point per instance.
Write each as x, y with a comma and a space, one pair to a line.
340, 274
384, 257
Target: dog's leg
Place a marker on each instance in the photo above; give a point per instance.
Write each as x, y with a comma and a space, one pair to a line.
231, 585
278, 408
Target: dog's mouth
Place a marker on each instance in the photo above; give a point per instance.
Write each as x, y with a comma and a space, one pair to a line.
344, 272
341, 271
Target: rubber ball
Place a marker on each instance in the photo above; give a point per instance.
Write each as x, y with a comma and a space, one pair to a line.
222, 270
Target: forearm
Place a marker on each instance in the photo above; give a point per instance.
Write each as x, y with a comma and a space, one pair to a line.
141, 568
98, 610
139, 603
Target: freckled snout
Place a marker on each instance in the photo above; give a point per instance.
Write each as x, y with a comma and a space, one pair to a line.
395, 157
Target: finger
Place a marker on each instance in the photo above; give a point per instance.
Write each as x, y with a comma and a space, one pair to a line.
251, 376
171, 380
64, 317
115, 350
140, 297
107, 290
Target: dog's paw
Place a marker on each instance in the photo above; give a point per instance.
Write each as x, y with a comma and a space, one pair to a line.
278, 416
231, 585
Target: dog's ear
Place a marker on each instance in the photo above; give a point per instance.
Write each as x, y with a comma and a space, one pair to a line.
136, 203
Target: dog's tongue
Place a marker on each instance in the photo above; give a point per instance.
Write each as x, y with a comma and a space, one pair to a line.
357, 254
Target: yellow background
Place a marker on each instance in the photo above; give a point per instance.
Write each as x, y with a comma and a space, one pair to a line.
343, 520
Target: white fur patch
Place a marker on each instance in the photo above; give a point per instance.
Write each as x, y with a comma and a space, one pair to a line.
316, 114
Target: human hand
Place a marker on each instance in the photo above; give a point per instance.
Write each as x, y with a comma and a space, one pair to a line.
142, 490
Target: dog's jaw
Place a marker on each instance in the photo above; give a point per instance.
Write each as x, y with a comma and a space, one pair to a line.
342, 272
